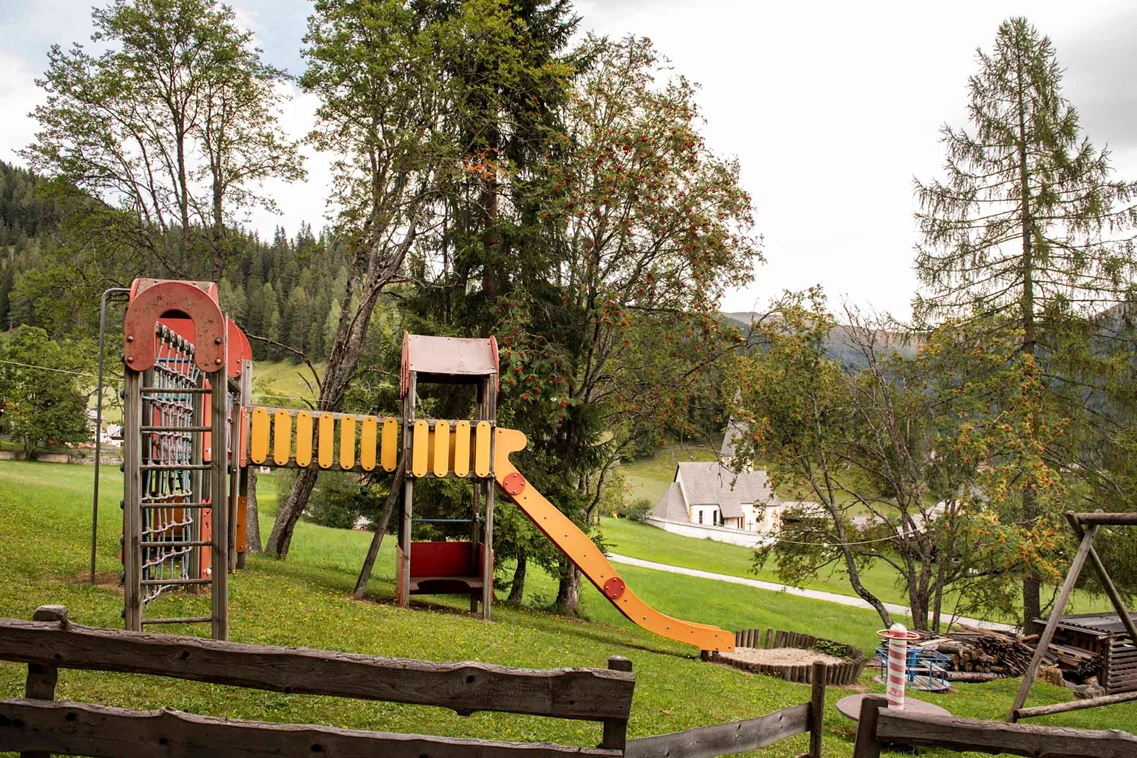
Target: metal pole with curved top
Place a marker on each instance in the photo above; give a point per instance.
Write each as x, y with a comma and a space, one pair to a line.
99, 422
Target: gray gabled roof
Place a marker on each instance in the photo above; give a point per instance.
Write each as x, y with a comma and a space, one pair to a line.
712, 483
671, 506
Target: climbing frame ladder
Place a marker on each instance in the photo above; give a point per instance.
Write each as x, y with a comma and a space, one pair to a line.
182, 415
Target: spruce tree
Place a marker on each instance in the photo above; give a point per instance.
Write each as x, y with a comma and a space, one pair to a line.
1028, 227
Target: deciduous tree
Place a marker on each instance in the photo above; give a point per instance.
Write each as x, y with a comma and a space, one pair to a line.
375, 68
40, 390
171, 130
911, 463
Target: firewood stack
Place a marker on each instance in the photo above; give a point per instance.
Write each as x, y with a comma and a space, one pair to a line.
984, 654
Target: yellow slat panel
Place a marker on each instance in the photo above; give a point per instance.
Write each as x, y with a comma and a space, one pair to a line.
368, 442
325, 446
304, 439
462, 449
441, 448
389, 454
347, 441
281, 437
482, 449
258, 436
420, 448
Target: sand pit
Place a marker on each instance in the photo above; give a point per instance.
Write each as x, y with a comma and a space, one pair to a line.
780, 656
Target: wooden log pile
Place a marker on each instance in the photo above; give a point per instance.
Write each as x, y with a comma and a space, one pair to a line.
983, 654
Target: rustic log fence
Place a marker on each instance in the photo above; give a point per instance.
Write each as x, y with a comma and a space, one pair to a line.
38, 726
743, 736
837, 674
880, 726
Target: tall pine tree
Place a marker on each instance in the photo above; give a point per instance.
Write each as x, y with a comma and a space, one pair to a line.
1028, 226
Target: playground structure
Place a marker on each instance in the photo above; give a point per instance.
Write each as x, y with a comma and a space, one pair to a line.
192, 432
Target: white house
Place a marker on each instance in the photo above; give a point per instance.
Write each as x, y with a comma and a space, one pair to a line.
709, 493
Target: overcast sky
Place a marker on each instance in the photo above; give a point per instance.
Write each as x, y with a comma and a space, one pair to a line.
831, 108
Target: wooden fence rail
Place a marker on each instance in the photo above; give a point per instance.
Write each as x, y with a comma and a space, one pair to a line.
571, 693
38, 725
880, 726
743, 736
85, 729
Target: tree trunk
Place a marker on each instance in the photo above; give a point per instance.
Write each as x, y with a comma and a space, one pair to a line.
938, 602
568, 589
290, 510
1032, 607
252, 513
517, 587
373, 269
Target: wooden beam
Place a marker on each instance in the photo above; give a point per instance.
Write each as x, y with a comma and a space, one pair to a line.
1106, 581
1074, 705
380, 529
1106, 519
868, 743
725, 739
995, 737
616, 730
84, 729
219, 496
42, 678
1043, 643
572, 693
816, 708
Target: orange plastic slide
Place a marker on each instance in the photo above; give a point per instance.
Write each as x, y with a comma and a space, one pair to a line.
579, 549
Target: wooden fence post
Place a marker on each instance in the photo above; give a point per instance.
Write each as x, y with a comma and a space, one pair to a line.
41, 678
816, 707
616, 730
867, 745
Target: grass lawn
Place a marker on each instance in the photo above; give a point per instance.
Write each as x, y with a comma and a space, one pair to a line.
283, 383
305, 601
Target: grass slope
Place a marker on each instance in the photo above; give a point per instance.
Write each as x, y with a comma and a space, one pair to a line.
650, 477
44, 523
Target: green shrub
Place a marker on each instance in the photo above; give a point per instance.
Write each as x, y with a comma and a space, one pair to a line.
637, 510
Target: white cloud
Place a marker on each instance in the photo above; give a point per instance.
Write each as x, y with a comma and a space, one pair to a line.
19, 95
302, 201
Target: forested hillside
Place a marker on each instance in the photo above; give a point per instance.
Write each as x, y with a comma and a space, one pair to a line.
283, 289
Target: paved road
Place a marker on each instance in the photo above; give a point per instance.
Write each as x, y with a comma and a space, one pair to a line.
831, 597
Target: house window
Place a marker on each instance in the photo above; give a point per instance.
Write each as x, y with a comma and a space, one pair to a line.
700, 517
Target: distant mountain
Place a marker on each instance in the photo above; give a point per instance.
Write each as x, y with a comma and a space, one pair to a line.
840, 345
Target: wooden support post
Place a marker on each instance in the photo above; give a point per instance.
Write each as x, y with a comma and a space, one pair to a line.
132, 500
197, 479
816, 707
1107, 582
403, 576
233, 468
405, 540
42, 678
380, 529
476, 509
1052, 624
616, 730
219, 497
867, 745
487, 568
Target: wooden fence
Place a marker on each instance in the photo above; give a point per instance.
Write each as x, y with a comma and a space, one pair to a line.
880, 726
38, 726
